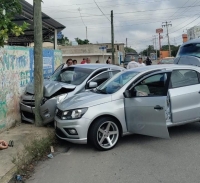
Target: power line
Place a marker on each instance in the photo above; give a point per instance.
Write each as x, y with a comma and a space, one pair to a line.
139, 23
81, 17
179, 9
101, 11
132, 12
167, 24
185, 25
141, 2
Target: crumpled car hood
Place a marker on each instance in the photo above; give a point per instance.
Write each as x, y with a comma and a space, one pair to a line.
84, 99
50, 87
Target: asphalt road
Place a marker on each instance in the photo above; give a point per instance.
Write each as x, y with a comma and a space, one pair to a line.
136, 159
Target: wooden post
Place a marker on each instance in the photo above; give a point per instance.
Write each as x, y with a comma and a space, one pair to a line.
38, 61
112, 38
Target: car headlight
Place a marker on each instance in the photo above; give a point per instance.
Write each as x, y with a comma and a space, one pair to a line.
60, 98
73, 114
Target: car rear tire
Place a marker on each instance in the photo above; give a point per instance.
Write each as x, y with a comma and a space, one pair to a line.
104, 133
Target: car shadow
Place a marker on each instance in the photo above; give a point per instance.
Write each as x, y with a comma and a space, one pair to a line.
176, 134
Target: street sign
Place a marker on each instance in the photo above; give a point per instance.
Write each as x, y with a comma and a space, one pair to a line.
160, 30
102, 47
59, 35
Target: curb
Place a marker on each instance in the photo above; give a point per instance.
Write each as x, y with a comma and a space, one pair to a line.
9, 175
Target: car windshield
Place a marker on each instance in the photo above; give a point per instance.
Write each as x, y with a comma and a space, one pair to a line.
167, 61
71, 75
116, 82
129, 57
190, 49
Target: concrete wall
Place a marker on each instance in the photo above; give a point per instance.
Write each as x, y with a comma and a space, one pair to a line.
92, 50
16, 68
92, 58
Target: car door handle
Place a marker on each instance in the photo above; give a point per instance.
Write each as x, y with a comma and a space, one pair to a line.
158, 107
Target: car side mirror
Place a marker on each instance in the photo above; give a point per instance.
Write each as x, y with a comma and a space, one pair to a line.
92, 85
130, 94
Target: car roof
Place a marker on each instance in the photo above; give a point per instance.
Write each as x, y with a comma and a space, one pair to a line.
98, 66
163, 67
197, 40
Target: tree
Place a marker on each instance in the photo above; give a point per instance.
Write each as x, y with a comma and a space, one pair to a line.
174, 49
8, 10
129, 50
82, 42
62, 40
148, 50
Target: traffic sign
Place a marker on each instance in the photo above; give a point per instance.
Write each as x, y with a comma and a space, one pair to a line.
160, 30
102, 47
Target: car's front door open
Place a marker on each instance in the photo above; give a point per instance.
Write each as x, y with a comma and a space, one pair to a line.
145, 112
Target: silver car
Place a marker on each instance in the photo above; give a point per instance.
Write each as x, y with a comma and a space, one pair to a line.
145, 100
64, 83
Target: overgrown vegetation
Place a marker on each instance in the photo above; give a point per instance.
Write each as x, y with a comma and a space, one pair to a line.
82, 42
8, 10
36, 150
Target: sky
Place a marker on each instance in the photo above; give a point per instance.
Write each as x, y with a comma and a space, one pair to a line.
136, 20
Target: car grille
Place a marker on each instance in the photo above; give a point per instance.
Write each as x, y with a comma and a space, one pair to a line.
28, 115
60, 133
59, 113
30, 103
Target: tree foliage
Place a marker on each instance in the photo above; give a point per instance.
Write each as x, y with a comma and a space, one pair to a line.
62, 41
174, 49
129, 50
82, 42
8, 10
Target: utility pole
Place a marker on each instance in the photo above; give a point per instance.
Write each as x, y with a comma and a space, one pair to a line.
86, 33
112, 39
126, 42
154, 41
167, 24
38, 60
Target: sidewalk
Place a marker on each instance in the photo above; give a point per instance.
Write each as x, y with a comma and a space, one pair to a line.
21, 135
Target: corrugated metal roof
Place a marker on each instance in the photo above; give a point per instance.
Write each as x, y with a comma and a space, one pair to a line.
48, 23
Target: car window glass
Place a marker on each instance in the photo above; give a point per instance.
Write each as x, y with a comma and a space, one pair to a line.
57, 71
192, 49
101, 78
97, 72
116, 82
180, 78
152, 86
72, 75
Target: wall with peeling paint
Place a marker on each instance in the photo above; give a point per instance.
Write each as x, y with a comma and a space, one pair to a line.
16, 71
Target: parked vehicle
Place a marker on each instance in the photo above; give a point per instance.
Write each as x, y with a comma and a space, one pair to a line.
144, 100
128, 57
167, 60
64, 83
189, 53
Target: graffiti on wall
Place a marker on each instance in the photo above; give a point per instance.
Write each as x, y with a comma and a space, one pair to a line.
14, 76
58, 60
48, 63
16, 71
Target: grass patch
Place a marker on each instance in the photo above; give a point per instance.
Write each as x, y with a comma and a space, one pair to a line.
37, 149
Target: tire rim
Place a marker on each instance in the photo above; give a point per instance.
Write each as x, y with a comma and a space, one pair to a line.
107, 134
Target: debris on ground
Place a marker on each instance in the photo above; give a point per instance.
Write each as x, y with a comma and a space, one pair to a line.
50, 156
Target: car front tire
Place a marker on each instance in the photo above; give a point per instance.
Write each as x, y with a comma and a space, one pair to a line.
104, 133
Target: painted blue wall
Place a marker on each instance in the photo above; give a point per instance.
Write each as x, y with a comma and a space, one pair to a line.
48, 63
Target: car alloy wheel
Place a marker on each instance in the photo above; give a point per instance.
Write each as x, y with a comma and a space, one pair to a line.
104, 133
